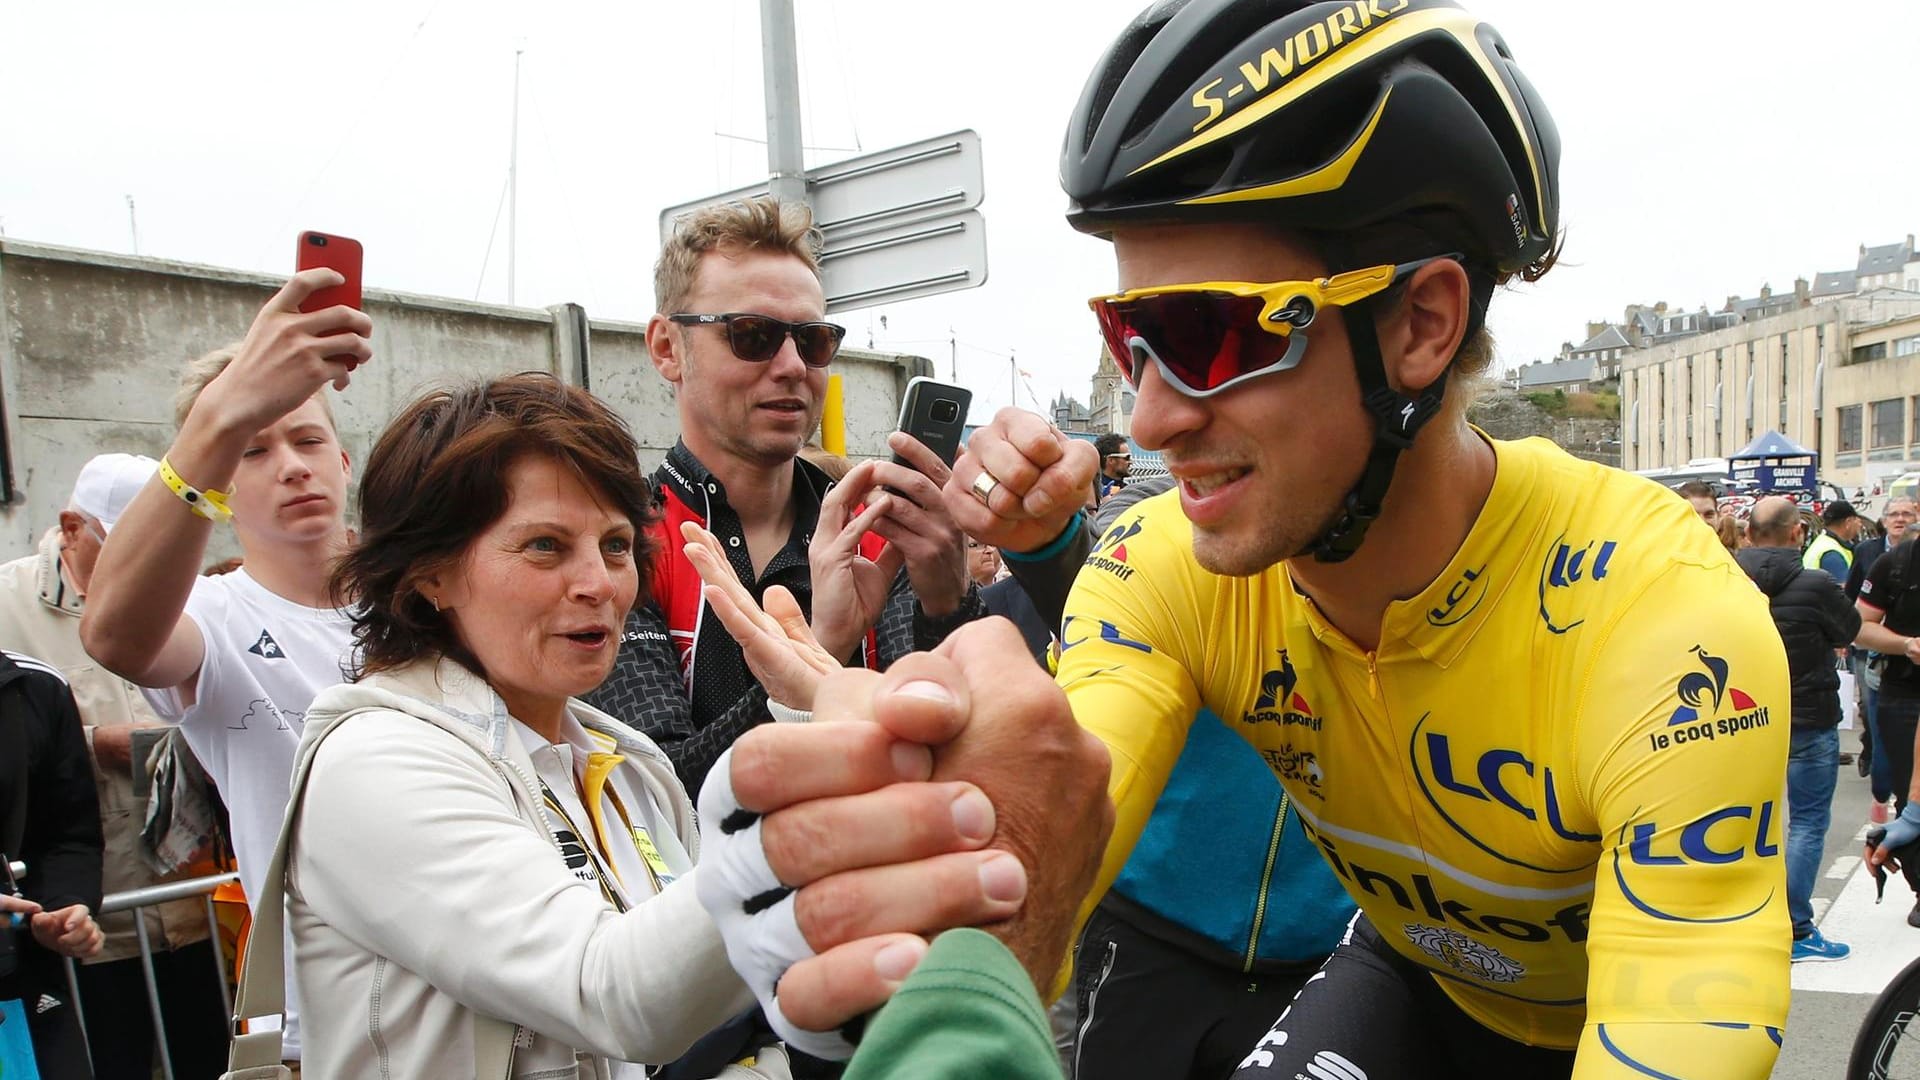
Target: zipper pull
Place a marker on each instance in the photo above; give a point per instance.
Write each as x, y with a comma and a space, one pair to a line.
1373, 676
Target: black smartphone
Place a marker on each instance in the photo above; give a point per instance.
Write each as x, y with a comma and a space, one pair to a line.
934, 413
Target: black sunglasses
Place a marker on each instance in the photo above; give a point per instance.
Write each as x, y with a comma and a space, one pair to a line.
759, 337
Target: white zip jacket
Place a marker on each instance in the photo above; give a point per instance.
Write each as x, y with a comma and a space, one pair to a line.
424, 886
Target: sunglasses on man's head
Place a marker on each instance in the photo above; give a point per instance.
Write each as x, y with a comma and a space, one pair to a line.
1212, 335
759, 337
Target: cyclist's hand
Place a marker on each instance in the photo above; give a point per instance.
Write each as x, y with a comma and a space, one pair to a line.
1043, 477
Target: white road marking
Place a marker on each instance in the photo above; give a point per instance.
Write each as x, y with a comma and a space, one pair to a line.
1843, 866
1819, 905
1881, 940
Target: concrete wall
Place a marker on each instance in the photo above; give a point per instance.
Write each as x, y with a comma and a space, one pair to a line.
91, 346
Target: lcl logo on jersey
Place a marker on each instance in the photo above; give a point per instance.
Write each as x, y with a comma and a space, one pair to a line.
1490, 786
1279, 702
1566, 568
1709, 708
1720, 837
1463, 596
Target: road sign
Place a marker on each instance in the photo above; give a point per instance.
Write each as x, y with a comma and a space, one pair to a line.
898, 224
920, 258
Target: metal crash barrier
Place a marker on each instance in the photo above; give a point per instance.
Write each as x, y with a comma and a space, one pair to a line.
135, 899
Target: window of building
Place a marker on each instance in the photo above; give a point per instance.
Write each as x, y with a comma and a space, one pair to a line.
1915, 412
1849, 428
1887, 422
1864, 353
1907, 346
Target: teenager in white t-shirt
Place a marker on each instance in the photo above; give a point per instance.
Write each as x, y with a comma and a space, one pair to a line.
236, 659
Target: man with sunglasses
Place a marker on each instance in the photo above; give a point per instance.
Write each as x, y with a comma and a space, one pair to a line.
742, 338
1116, 461
1474, 666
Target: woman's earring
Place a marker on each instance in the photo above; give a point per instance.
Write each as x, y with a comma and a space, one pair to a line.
435, 601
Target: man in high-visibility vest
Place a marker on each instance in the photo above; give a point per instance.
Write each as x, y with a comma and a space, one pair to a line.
1832, 550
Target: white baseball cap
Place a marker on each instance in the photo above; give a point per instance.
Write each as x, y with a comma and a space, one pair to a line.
109, 482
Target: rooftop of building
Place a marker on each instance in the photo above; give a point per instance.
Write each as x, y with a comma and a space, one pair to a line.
1555, 372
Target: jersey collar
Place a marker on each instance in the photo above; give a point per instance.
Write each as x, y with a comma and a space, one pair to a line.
1443, 618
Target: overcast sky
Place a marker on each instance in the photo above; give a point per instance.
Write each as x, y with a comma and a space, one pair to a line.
1708, 148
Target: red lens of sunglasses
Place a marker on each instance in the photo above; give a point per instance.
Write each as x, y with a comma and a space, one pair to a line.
1204, 339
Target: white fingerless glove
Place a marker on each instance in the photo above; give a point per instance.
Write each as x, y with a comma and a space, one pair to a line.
783, 715
752, 909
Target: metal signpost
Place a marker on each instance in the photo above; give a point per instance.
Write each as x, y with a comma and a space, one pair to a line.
898, 224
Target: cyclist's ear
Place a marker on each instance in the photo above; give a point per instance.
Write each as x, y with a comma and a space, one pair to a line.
1422, 329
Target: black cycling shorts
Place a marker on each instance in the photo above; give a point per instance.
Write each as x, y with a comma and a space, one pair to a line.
1371, 1014
1151, 1010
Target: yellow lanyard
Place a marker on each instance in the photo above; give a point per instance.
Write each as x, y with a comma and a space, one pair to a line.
600, 767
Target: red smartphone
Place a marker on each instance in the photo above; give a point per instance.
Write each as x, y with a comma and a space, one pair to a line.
336, 253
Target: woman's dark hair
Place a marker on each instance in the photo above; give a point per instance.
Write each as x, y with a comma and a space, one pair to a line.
437, 479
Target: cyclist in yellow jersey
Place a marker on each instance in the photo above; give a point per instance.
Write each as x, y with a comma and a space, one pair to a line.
1480, 669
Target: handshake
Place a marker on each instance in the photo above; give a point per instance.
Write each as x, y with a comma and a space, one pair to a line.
954, 790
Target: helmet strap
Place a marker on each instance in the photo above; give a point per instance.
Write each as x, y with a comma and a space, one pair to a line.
1397, 418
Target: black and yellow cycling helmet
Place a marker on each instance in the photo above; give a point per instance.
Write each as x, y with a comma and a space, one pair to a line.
1348, 121
1330, 117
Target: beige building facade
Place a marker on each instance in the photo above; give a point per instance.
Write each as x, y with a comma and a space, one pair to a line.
1831, 376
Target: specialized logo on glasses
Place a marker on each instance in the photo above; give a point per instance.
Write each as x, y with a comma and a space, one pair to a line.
1478, 789
1655, 851
1294, 55
1280, 702
1110, 554
1709, 708
1463, 596
1462, 954
1566, 569
1300, 766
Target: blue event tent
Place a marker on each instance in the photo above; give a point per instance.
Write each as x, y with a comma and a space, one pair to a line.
1772, 463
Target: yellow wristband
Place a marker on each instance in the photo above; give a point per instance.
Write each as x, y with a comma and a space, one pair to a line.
211, 505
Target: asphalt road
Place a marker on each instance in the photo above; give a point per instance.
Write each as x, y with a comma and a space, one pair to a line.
1830, 999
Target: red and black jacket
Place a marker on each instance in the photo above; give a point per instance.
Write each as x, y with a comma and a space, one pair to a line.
680, 677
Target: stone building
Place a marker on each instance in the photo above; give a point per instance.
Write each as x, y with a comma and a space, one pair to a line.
1840, 374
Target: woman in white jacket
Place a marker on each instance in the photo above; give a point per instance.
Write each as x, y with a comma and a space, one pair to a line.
474, 843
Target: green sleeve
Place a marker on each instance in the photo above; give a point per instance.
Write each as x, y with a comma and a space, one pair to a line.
969, 1010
